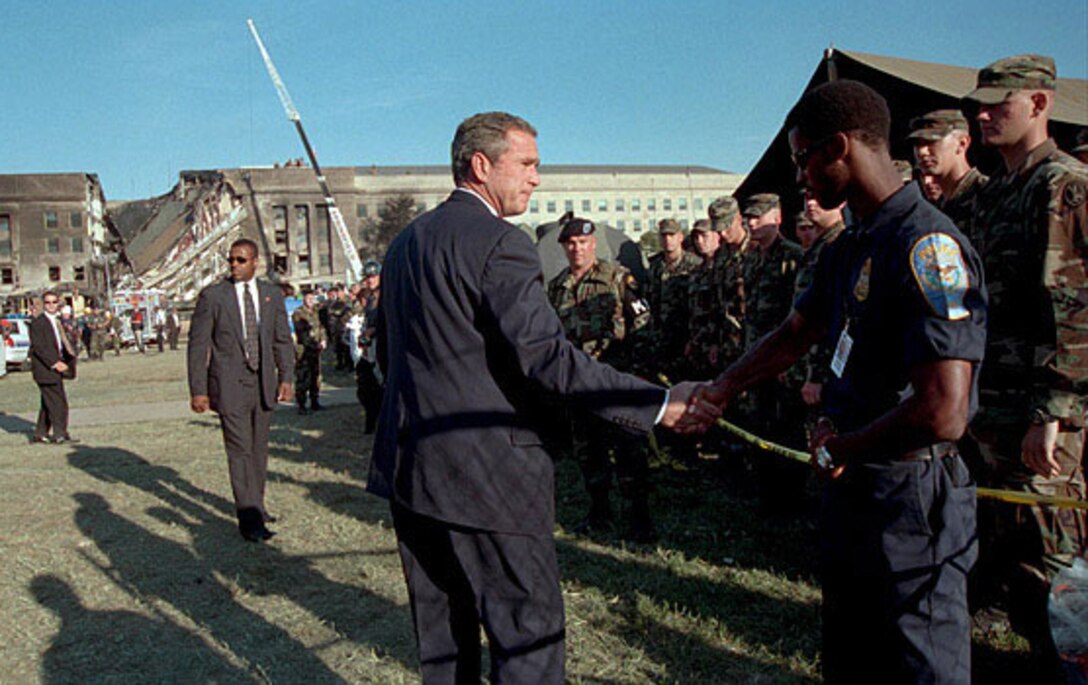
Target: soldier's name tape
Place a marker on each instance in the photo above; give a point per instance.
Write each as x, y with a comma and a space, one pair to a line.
1011, 496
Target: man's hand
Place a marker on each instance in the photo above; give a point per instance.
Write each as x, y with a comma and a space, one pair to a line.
286, 392
810, 393
60, 367
200, 403
687, 412
822, 434
1037, 449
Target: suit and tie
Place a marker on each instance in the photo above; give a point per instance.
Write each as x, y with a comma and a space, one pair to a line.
49, 345
240, 375
469, 345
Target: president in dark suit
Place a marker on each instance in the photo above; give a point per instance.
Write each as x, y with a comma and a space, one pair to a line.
240, 361
469, 344
52, 359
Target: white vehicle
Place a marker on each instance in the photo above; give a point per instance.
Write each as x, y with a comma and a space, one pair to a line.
16, 333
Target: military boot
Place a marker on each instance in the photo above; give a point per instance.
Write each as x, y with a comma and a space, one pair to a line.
600, 513
640, 525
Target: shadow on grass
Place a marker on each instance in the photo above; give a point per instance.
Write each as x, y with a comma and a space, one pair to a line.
152, 568
137, 645
10, 423
354, 612
781, 627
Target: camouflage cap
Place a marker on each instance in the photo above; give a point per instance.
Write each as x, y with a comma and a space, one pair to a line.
702, 226
371, 268
573, 226
761, 203
669, 226
723, 209
1022, 72
937, 124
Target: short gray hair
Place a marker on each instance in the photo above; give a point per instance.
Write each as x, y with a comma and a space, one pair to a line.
486, 133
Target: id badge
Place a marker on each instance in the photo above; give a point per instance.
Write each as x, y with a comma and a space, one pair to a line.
842, 353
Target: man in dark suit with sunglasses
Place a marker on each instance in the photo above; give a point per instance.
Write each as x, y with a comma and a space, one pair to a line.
241, 358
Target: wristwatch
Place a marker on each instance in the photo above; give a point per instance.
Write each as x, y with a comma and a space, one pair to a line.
823, 458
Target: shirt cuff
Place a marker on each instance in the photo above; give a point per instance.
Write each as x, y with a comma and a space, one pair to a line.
664, 406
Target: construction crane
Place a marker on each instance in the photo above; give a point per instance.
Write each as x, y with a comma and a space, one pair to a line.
356, 265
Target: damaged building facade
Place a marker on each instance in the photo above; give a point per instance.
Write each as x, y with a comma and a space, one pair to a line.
178, 242
54, 234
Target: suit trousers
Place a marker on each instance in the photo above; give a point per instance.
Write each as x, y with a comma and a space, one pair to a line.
461, 578
53, 412
245, 436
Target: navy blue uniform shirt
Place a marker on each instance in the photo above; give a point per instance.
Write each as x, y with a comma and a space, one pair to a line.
908, 288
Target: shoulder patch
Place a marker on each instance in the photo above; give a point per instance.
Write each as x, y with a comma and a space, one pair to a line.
941, 273
1074, 194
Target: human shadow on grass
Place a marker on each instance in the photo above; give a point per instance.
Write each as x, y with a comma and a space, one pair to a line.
781, 626
153, 568
357, 614
10, 423
102, 646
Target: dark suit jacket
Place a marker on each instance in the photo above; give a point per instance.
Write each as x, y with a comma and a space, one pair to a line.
44, 353
217, 345
470, 343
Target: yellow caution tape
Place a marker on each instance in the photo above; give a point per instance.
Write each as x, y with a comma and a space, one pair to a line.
1010, 496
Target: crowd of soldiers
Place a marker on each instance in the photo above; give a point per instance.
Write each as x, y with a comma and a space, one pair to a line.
341, 319
713, 294
100, 329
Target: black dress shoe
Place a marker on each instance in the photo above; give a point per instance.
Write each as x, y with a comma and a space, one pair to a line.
251, 525
317, 407
65, 439
42, 440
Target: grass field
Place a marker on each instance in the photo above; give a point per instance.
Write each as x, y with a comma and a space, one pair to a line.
123, 563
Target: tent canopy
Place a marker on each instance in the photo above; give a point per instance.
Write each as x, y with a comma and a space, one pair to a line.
911, 88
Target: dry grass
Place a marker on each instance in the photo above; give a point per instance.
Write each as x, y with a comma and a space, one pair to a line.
123, 563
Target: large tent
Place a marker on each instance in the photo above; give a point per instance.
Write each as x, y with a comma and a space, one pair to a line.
911, 88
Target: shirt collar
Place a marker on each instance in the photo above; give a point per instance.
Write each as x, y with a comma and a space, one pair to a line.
479, 197
901, 201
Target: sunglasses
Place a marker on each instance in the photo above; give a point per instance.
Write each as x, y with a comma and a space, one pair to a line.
237, 260
801, 157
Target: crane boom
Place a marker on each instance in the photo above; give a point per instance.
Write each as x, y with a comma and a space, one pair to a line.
335, 216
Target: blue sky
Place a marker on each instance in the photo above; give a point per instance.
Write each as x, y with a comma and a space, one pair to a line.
136, 91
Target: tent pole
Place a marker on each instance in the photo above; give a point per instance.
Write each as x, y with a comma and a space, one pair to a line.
829, 62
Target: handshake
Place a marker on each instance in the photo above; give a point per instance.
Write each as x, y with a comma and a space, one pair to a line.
693, 407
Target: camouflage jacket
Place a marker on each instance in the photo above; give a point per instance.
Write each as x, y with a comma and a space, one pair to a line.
732, 299
667, 296
308, 331
769, 277
962, 205
1031, 233
600, 311
704, 320
816, 365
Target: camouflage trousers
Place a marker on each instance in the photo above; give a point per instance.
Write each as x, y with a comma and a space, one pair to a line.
308, 377
602, 449
97, 346
1022, 547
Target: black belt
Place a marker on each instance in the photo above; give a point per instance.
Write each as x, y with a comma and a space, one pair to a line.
937, 450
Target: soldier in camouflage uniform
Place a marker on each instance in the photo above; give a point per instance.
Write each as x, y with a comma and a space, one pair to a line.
666, 293
309, 342
113, 331
368, 387
726, 219
704, 308
601, 312
816, 228
99, 324
777, 413
941, 141
1031, 233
